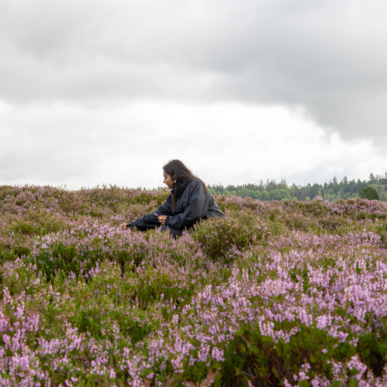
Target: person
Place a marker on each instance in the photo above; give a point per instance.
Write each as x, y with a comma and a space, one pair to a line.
189, 203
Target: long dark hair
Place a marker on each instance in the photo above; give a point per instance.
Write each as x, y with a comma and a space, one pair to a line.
179, 172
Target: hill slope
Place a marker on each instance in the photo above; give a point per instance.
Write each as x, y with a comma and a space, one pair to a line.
279, 293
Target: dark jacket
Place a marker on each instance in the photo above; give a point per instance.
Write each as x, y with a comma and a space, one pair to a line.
192, 205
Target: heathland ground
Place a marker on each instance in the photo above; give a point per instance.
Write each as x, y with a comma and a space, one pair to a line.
278, 293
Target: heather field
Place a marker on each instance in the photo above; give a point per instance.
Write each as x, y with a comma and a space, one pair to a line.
281, 293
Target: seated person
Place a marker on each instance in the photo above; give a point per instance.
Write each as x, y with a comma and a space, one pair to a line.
188, 203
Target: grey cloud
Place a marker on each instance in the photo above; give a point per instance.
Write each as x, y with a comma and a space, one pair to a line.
326, 57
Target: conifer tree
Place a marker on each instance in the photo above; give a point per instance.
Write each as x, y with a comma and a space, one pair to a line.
369, 193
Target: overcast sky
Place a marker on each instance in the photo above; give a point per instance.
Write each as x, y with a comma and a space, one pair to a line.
95, 92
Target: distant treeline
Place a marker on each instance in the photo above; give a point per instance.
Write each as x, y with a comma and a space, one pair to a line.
333, 190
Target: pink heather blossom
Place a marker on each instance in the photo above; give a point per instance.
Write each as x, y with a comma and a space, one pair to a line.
217, 354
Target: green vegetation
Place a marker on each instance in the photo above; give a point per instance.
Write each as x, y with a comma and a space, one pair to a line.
369, 193
331, 191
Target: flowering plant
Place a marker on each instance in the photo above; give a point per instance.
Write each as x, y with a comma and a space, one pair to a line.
278, 293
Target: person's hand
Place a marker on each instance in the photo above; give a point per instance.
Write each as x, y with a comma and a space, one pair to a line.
162, 219
123, 226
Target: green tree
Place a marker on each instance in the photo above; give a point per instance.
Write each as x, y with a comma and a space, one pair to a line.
264, 195
369, 193
279, 194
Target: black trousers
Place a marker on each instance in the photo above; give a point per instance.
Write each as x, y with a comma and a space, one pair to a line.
175, 232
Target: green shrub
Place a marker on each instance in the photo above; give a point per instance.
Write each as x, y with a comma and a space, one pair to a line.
66, 259
24, 228
224, 239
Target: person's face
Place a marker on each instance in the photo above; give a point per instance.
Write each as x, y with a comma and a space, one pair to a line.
168, 180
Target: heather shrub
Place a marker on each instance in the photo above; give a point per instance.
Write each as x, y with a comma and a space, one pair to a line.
233, 203
379, 228
317, 207
225, 239
331, 223
34, 225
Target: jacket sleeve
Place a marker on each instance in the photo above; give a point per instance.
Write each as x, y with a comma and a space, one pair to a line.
151, 220
195, 210
214, 210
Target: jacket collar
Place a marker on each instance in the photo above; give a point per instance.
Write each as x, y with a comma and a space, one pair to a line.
178, 191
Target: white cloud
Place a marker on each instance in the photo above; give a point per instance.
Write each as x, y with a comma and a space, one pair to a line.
225, 143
